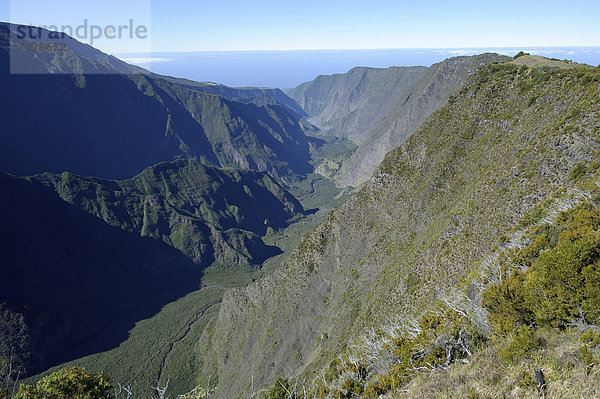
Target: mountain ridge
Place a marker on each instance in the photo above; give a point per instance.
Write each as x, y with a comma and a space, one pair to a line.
121, 119
394, 105
177, 201
418, 228
336, 103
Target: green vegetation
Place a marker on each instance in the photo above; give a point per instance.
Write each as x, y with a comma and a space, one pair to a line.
554, 280
72, 383
209, 214
536, 61
437, 212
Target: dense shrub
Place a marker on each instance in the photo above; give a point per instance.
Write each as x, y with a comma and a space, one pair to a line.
72, 383
522, 342
520, 54
554, 281
507, 305
564, 283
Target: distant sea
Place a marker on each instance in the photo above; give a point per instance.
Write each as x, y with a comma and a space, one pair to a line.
286, 69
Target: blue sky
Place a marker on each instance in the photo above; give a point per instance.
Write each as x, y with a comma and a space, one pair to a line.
186, 25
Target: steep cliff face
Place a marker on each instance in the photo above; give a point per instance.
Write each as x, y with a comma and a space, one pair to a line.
380, 108
423, 98
429, 216
88, 113
248, 95
351, 104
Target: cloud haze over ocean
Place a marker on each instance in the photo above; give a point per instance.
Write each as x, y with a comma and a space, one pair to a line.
287, 69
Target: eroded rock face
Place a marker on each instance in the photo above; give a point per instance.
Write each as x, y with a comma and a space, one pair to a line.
380, 108
351, 104
434, 210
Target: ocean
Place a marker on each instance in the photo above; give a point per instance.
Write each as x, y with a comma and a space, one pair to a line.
286, 69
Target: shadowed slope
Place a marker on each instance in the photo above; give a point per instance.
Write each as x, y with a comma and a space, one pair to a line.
91, 114
71, 275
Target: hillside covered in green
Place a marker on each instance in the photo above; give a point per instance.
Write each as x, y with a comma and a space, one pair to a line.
190, 235
81, 254
514, 148
208, 214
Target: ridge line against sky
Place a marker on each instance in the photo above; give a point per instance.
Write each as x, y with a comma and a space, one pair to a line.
184, 25
285, 69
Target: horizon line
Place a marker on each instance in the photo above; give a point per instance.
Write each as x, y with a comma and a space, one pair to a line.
367, 49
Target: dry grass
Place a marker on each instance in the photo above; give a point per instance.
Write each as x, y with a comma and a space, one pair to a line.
535, 61
487, 376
